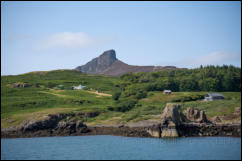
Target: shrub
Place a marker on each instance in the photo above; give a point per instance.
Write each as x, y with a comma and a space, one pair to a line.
141, 94
116, 95
125, 104
110, 108
51, 85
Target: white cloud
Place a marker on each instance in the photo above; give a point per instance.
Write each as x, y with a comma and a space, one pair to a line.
71, 40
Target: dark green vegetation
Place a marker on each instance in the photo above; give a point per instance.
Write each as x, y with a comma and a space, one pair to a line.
135, 86
209, 78
135, 97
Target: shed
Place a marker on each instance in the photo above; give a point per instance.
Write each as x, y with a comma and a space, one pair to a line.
167, 91
213, 96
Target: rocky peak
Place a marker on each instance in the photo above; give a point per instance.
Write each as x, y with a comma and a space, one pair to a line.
108, 64
109, 54
99, 64
107, 58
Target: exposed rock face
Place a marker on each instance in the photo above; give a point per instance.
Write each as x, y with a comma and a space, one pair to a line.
237, 110
108, 64
173, 113
99, 64
196, 115
171, 117
50, 122
56, 124
216, 119
173, 124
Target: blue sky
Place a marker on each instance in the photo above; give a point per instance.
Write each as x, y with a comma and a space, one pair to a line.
38, 36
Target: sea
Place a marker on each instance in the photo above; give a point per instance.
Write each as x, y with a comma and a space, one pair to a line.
106, 147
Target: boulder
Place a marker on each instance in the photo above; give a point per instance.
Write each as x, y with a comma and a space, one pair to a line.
216, 119
80, 124
196, 115
61, 125
237, 110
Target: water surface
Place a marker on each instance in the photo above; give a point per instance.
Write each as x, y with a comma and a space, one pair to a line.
116, 147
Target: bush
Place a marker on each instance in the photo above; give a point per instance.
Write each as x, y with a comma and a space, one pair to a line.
187, 98
116, 95
125, 104
141, 94
110, 108
51, 85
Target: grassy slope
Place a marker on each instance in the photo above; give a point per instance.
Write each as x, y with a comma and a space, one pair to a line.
19, 104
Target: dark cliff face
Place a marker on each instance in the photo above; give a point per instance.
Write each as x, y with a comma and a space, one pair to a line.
108, 64
99, 64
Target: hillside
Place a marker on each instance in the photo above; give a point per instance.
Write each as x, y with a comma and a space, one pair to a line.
34, 95
108, 64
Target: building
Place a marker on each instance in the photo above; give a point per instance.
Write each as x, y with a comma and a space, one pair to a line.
80, 87
213, 96
167, 91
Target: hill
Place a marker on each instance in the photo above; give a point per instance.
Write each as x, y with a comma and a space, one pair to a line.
108, 64
34, 95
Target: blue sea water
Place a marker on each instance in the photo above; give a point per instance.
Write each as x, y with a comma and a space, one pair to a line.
115, 147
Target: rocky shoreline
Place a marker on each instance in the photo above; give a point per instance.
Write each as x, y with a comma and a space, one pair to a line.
185, 130
173, 124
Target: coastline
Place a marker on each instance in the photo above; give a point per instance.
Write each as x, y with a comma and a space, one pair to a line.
173, 123
184, 130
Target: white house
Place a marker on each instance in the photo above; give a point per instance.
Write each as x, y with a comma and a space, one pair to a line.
80, 87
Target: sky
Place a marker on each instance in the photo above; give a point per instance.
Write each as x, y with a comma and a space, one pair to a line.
42, 36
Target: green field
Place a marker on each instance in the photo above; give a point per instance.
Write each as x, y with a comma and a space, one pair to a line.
42, 98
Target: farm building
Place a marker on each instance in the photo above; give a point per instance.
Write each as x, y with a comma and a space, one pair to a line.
167, 91
80, 87
213, 96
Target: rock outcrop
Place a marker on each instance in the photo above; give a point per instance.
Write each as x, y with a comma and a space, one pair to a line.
237, 110
171, 117
173, 123
216, 119
60, 124
196, 115
100, 64
108, 64
193, 123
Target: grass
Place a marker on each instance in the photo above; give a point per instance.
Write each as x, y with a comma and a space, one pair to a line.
35, 102
212, 108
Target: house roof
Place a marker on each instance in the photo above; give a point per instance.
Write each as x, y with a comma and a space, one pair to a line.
215, 95
167, 91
